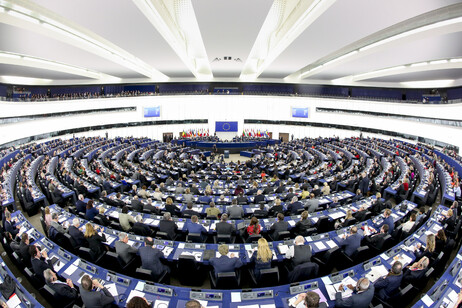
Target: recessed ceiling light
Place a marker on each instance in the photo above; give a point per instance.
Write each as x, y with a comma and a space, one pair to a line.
428, 83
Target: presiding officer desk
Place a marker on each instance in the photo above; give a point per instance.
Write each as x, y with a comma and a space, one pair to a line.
70, 266
172, 250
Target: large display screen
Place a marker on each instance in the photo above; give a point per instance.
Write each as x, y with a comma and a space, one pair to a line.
150, 112
299, 112
226, 126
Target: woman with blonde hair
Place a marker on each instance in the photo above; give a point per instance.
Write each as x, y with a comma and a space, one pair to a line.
95, 241
325, 189
429, 250
47, 216
261, 258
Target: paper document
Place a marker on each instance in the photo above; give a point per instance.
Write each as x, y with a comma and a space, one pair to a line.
376, 272
320, 245
112, 288
134, 293
331, 243
70, 270
236, 297
283, 249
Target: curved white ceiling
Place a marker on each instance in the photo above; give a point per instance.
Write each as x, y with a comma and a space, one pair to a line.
109, 41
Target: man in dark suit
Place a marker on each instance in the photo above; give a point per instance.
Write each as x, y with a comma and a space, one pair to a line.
189, 211
291, 194
150, 259
148, 206
415, 272
378, 205
279, 226
223, 227
125, 251
259, 197
107, 186
294, 206
77, 234
136, 204
386, 286
10, 225
64, 291
362, 295
261, 212
140, 228
376, 240
172, 208
80, 205
241, 199
388, 220
38, 261
24, 249
29, 199
92, 298
352, 242
276, 208
361, 214
364, 184
168, 226
225, 264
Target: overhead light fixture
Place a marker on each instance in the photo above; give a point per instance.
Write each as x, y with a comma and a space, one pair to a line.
428, 83
77, 36
456, 60
23, 80
438, 62
418, 64
24, 60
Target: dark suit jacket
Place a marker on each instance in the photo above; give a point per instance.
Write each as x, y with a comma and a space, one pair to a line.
94, 299
225, 264
389, 221
77, 235
141, 229
24, 252
137, 205
191, 213
172, 209
384, 288
356, 300
294, 207
95, 243
169, 227
10, 226
63, 291
150, 259
351, 244
81, 206
259, 198
39, 265
279, 226
225, 228
375, 240
412, 276
125, 251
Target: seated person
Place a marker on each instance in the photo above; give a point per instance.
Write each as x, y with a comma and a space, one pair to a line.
325, 190
357, 197
140, 228
168, 226
386, 286
39, 261
361, 214
261, 258
80, 205
429, 250
189, 211
55, 223
212, 210
420, 215
76, 233
416, 271
225, 264
95, 241
125, 219
64, 291
193, 226
407, 226
151, 259
279, 226
125, 251
143, 193
241, 199
440, 241
362, 295
103, 219
310, 299
388, 220
205, 199
351, 242
378, 205
302, 225
254, 227
90, 212
259, 197
376, 240
276, 208
23, 248
294, 206
223, 227
312, 204
261, 212
10, 225
299, 253
347, 221
449, 220
136, 204
149, 207
94, 294
172, 208
235, 211
334, 203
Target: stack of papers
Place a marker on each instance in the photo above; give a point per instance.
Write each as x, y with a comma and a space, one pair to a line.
376, 272
196, 254
283, 249
404, 259
320, 245
134, 293
167, 251
332, 289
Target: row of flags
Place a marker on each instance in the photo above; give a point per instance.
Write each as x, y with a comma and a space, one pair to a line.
201, 132
255, 133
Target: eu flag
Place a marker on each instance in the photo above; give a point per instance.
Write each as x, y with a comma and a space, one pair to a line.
226, 126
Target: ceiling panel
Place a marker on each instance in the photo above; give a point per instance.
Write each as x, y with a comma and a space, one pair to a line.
123, 24
429, 75
432, 48
23, 71
344, 23
229, 29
